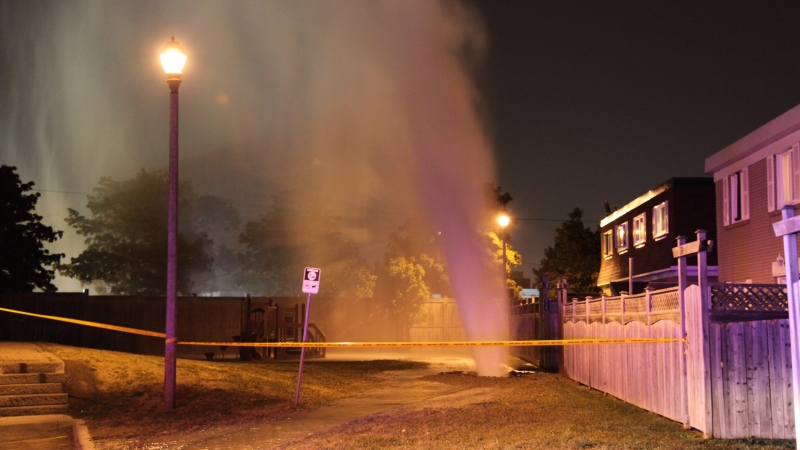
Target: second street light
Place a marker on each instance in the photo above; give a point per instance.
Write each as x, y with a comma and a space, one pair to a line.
173, 60
504, 220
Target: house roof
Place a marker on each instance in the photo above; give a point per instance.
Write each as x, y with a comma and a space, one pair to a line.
779, 127
680, 181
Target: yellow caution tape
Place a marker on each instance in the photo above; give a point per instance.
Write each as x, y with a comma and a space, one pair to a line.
439, 344
542, 343
88, 324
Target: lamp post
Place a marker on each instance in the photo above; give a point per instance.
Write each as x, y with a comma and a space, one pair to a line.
504, 220
172, 59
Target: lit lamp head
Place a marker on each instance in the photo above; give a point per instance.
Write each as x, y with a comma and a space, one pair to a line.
503, 220
173, 59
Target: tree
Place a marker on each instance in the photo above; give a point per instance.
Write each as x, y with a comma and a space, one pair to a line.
415, 242
25, 264
413, 268
574, 255
283, 241
126, 236
406, 281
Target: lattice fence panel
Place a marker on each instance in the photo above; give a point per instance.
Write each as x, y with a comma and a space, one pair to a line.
580, 311
614, 307
749, 297
595, 310
665, 302
636, 305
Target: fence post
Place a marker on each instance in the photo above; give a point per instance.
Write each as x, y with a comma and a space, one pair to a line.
603, 302
682, 281
702, 269
630, 275
574, 308
788, 229
588, 302
705, 298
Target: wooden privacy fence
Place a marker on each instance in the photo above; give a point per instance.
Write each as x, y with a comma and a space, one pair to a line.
204, 319
438, 321
536, 319
646, 375
732, 379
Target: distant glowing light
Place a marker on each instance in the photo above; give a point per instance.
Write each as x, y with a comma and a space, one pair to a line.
223, 99
173, 58
503, 220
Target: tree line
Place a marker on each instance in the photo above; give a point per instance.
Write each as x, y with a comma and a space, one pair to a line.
125, 246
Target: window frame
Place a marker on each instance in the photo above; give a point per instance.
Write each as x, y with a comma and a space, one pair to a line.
736, 197
621, 240
607, 244
640, 230
660, 210
783, 178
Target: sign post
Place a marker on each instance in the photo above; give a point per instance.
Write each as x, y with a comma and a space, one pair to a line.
311, 278
788, 228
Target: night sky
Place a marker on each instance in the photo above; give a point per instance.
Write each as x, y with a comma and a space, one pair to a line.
591, 101
585, 101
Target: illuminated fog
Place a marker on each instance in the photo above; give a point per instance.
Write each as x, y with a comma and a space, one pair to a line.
370, 104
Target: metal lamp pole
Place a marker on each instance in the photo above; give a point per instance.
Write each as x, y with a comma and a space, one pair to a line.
504, 220
173, 60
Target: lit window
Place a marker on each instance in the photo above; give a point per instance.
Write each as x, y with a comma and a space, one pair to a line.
783, 179
660, 221
735, 198
621, 237
639, 232
608, 244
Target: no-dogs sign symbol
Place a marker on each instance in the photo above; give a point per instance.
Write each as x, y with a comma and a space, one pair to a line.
311, 280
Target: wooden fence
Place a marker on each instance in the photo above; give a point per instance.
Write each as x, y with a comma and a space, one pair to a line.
206, 319
438, 321
536, 319
210, 319
731, 380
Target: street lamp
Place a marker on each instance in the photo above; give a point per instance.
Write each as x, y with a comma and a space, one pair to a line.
504, 220
172, 60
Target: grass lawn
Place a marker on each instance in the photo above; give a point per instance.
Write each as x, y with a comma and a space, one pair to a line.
119, 395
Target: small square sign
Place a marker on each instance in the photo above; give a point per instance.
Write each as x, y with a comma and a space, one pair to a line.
311, 278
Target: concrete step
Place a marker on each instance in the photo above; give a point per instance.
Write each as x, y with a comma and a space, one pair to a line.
30, 378
8, 367
28, 389
33, 410
33, 400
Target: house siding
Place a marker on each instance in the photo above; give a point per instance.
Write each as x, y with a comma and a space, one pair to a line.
747, 249
690, 207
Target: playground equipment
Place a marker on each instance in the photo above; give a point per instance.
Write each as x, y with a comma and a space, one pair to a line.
275, 323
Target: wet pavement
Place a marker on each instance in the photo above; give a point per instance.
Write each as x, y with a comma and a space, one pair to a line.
47, 432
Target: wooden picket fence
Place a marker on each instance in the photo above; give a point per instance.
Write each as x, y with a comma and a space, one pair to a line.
732, 378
